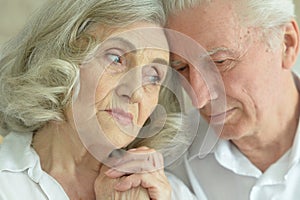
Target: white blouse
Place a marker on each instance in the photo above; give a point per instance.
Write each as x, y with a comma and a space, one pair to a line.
21, 175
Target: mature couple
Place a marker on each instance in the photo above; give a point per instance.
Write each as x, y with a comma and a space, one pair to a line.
82, 82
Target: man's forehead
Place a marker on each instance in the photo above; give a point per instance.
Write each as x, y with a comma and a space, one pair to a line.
217, 18
217, 9
209, 42
178, 60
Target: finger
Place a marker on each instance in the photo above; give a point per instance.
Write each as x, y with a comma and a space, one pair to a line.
130, 168
158, 161
119, 157
132, 181
128, 183
112, 173
149, 163
157, 185
139, 148
142, 160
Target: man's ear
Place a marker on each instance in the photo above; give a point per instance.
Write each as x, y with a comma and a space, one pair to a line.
290, 45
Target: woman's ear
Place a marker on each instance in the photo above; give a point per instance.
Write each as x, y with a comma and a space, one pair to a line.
290, 45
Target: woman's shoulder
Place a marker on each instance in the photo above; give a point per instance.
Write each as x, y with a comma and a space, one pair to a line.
17, 185
21, 175
16, 155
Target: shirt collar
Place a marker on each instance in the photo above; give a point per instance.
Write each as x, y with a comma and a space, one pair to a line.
16, 155
295, 150
206, 142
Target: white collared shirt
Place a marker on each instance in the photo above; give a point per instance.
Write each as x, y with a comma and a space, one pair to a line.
224, 173
21, 176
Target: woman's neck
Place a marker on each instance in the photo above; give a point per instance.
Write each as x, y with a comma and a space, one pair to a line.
65, 158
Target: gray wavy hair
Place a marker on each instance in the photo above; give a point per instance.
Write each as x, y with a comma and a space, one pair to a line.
39, 68
269, 15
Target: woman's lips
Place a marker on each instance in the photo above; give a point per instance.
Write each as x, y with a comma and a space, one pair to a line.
121, 116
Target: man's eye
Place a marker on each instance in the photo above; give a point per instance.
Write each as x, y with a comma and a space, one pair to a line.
220, 61
224, 65
181, 68
223, 61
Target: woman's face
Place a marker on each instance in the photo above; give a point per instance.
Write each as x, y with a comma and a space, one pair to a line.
120, 81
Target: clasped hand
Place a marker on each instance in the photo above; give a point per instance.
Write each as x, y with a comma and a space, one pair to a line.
138, 174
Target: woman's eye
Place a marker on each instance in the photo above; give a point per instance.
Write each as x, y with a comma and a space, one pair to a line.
154, 79
115, 59
151, 76
116, 62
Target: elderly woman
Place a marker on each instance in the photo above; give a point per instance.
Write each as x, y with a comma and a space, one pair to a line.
77, 85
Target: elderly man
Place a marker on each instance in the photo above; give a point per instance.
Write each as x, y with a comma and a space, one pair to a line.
254, 44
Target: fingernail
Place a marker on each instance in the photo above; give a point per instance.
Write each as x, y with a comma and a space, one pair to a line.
117, 153
119, 186
131, 150
108, 172
144, 148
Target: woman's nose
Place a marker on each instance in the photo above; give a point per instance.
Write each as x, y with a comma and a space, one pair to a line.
130, 87
137, 95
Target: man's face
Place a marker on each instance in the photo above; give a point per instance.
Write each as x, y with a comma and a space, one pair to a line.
252, 73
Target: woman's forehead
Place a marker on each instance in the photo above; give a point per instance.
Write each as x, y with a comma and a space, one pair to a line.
138, 35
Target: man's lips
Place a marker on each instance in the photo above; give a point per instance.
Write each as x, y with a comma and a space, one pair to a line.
121, 116
220, 117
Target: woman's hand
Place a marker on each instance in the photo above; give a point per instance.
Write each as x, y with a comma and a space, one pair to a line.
141, 167
104, 189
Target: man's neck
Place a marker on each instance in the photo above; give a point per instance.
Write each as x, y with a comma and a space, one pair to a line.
269, 144
263, 155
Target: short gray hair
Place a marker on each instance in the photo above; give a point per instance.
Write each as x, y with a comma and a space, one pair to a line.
39, 68
269, 15
173, 6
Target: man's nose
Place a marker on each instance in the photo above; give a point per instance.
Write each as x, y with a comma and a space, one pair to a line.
203, 90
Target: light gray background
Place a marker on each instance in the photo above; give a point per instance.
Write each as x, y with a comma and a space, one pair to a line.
14, 13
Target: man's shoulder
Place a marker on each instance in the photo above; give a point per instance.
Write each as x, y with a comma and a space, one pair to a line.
181, 188
179, 171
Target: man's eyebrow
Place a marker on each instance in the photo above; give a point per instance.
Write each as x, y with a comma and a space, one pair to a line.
176, 62
215, 50
160, 61
207, 54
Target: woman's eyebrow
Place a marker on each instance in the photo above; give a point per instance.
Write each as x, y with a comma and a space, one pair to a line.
132, 48
129, 45
160, 61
